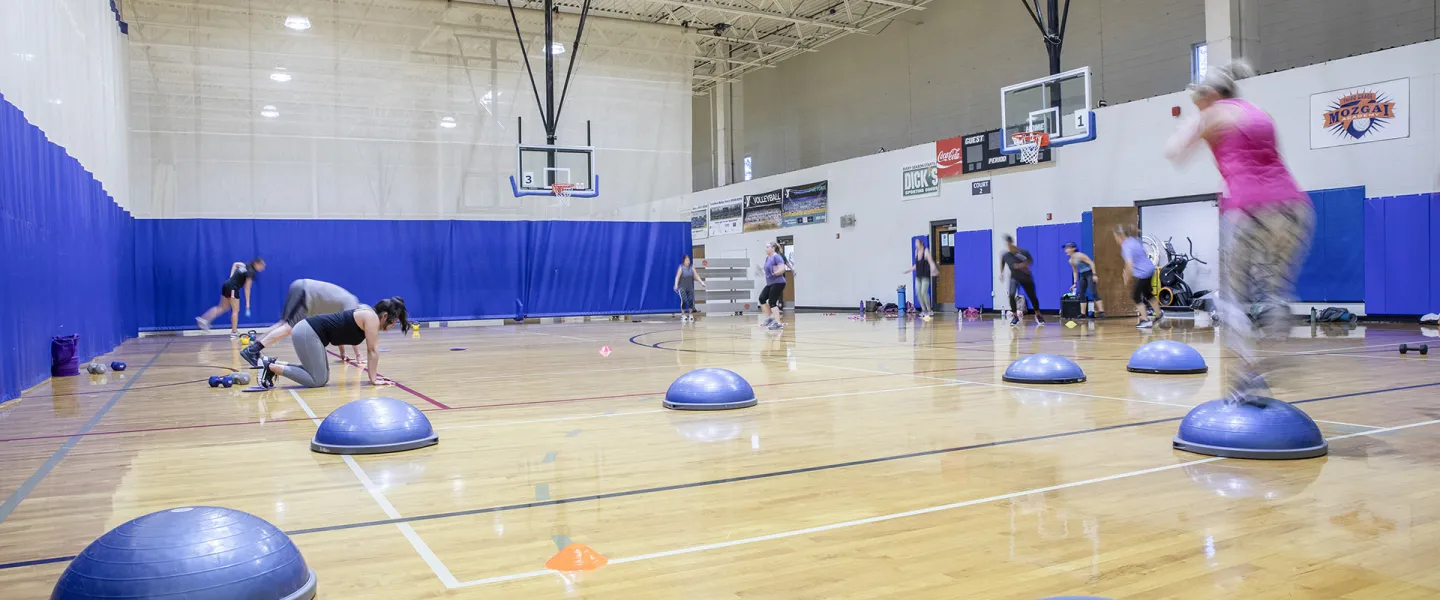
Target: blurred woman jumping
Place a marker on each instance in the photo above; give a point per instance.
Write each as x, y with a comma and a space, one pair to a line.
1266, 221
242, 275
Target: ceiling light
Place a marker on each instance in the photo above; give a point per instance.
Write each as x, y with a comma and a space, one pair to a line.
557, 48
269, 112
56, 101
25, 56
280, 75
297, 23
447, 122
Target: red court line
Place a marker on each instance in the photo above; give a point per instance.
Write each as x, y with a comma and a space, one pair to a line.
555, 401
396, 383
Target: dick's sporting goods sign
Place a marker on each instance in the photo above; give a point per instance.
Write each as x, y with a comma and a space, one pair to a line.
1368, 113
920, 181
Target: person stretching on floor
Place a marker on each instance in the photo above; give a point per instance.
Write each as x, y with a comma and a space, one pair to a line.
306, 298
1084, 279
241, 276
347, 328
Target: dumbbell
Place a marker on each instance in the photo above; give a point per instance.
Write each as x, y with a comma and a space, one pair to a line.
214, 381
117, 366
227, 380
1423, 349
95, 369
241, 378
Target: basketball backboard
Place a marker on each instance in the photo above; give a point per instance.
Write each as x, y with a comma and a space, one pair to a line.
1058, 105
539, 168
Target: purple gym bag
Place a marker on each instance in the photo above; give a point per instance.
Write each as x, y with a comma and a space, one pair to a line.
63, 361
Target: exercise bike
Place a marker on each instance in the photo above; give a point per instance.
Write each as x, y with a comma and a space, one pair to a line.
1173, 289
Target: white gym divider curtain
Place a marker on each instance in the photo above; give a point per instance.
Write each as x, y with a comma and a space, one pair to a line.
393, 109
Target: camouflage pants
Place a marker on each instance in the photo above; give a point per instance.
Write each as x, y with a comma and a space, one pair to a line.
1261, 252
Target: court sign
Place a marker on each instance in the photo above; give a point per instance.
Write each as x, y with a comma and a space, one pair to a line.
805, 204
1374, 112
699, 222
920, 181
725, 216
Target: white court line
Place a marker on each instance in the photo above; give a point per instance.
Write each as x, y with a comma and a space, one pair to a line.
406, 530
647, 412
1015, 387
568, 337
899, 515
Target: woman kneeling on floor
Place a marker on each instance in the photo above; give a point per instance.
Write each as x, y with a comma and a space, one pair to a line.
345, 328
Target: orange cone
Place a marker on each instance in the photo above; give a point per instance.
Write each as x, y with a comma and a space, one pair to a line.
576, 557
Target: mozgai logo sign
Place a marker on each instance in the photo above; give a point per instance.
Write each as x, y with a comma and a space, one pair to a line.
1360, 114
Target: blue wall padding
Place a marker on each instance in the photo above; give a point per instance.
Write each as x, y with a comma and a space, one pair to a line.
1051, 268
1434, 274
1375, 296
974, 269
445, 270
604, 267
69, 254
1335, 270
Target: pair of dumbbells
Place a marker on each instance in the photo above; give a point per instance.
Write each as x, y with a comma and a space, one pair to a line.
229, 380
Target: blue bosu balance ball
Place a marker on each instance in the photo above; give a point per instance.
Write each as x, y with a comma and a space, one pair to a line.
196, 553
1166, 357
374, 426
1270, 429
1044, 368
709, 389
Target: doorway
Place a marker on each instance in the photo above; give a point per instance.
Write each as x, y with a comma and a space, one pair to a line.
942, 244
697, 256
787, 249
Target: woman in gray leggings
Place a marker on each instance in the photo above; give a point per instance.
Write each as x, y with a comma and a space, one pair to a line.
345, 328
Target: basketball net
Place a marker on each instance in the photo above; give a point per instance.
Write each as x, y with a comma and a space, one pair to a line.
1030, 143
562, 193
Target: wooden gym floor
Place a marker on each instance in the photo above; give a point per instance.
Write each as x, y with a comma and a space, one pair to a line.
886, 460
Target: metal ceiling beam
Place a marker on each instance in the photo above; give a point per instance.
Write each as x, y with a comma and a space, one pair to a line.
747, 12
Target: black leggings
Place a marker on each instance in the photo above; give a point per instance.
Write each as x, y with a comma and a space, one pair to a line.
1029, 285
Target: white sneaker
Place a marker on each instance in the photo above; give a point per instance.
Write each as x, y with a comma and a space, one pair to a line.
1146, 324
202, 324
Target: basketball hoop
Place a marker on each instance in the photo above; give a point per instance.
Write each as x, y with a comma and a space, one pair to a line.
1030, 143
562, 193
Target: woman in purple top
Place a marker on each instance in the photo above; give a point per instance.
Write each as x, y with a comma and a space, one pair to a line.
774, 286
1265, 222
1138, 272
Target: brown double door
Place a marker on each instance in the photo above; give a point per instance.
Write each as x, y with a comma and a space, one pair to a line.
942, 247
1109, 265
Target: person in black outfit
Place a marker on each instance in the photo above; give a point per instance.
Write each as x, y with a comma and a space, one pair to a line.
241, 276
345, 328
1018, 259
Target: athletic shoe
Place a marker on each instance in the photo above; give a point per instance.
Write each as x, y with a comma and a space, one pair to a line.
202, 324
775, 326
234, 334
1146, 324
267, 377
1039, 320
251, 354
1014, 321
1100, 315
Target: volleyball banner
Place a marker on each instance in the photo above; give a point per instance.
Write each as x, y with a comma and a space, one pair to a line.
805, 204
725, 216
762, 211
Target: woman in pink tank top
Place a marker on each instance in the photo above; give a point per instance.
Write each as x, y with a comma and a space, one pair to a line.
1266, 221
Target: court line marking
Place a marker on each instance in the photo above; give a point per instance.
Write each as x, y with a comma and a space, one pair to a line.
421, 548
899, 515
366, 369
21, 493
1058, 391
661, 410
493, 509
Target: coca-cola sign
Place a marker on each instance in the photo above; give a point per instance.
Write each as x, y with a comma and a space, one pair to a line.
950, 156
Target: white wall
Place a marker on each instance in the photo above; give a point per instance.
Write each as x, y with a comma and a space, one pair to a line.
1123, 165
940, 77
359, 129
1200, 221
63, 63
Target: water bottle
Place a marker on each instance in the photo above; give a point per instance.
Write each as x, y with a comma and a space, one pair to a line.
900, 302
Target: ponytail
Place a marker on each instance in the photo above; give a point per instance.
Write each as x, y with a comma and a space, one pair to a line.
394, 309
